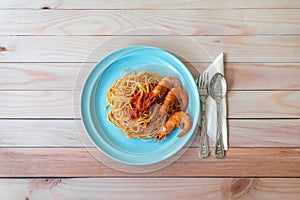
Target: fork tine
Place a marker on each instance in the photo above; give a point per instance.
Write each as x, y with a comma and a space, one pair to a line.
201, 81
207, 79
198, 81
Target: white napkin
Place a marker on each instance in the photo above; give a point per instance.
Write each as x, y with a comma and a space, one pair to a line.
211, 106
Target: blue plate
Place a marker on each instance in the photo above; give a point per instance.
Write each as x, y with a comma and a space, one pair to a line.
105, 135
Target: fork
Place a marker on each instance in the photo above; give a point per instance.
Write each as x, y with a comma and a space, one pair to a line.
202, 83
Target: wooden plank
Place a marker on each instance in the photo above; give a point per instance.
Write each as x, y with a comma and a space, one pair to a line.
62, 76
38, 76
263, 104
58, 104
154, 4
262, 76
78, 162
189, 22
36, 104
252, 49
63, 133
255, 76
39, 133
146, 188
264, 133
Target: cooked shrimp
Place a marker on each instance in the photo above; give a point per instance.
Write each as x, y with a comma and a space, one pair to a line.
174, 94
179, 119
160, 91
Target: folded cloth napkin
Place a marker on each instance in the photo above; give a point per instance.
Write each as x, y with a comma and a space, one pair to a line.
211, 106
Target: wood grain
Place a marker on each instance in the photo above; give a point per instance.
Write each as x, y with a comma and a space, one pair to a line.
264, 133
268, 104
62, 76
161, 188
63, 133
189, 22
77, 162
39, 133
36, 104
154, 4
38, 76
43, 45
58, 104
251, 49
262, 76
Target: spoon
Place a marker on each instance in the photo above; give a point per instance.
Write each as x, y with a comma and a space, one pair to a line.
217, 90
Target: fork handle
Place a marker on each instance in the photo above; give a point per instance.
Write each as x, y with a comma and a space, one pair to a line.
203, 148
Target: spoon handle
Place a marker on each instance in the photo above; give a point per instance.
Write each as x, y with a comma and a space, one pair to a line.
219, 146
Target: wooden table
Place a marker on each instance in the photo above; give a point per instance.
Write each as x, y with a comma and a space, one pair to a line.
43, 45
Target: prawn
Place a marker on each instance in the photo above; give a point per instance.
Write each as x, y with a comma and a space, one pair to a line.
179, 119
176, 93
160, 91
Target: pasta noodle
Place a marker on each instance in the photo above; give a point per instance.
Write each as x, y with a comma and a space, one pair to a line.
145, 126
144, 105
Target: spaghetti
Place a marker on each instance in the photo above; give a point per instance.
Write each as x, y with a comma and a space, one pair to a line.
136, 103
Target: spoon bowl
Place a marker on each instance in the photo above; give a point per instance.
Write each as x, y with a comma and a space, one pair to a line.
218, 87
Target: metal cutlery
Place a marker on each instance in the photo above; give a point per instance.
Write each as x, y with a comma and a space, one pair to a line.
202, 83
217, 90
